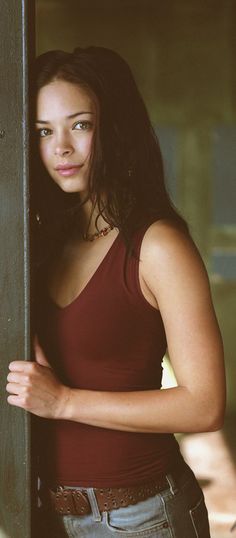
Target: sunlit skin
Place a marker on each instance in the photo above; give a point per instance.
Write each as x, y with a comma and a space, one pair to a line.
66, 120
172, 278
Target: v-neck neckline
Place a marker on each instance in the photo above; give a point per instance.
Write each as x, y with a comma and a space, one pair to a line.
87, 285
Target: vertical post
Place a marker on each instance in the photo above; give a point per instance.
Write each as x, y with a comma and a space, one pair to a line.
17, 44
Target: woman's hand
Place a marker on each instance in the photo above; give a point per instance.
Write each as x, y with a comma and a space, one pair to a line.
34, 386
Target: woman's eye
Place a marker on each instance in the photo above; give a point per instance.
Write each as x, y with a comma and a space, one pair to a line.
43, 132
84, 125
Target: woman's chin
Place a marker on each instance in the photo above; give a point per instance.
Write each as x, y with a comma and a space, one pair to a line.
72, 186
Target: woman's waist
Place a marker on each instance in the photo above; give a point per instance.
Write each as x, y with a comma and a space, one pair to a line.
97, 457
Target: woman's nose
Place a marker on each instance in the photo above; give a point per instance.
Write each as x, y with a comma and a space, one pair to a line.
63, 151
63, 146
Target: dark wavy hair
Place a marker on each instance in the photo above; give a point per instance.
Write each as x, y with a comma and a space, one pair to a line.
126, 161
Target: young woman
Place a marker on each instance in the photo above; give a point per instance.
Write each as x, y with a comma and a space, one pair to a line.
118, 280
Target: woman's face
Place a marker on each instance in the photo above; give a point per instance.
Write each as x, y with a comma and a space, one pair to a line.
65, 123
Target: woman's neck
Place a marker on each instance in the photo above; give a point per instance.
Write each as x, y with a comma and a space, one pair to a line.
92, 221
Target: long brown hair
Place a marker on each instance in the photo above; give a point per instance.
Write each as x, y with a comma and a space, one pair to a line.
126, 162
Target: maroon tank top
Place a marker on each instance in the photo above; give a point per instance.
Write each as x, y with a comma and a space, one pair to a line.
108, 339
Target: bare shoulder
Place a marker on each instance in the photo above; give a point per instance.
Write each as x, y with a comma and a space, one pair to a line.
164, 238
168, 252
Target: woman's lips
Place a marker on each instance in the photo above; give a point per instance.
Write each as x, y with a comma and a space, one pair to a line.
66, 172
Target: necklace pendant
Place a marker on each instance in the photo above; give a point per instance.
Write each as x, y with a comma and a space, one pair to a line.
105, 231
96, 235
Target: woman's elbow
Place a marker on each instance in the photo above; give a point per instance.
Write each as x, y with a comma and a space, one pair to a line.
215, 424
214, 420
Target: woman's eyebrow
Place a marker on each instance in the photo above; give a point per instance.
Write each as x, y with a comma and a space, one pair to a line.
68, 117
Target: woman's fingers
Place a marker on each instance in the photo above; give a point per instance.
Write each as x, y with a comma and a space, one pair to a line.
14, 400
20, 366
16, 388
35, 388
18, 377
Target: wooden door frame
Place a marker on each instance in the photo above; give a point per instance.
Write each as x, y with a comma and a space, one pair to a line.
17, 25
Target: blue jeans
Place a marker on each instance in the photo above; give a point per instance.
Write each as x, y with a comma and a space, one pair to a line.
177, 512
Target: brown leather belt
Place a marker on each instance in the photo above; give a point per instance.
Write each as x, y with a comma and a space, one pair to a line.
75, 501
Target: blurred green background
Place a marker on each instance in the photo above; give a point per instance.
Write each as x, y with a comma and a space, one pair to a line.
183, 56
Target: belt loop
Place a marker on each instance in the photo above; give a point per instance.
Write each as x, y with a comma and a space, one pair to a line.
172, 484
94, 505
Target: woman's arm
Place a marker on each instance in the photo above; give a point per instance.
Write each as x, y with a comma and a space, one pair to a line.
176, 280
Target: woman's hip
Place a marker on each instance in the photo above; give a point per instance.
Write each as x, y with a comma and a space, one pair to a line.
176, 511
